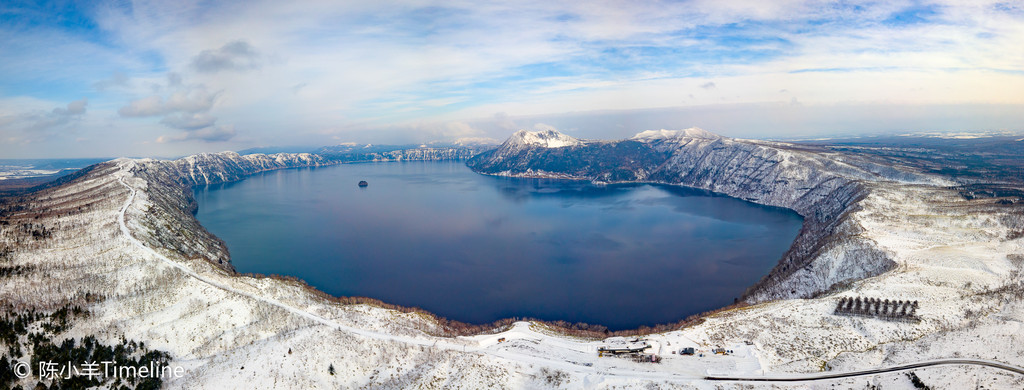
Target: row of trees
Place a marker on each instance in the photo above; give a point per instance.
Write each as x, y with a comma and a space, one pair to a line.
898, 310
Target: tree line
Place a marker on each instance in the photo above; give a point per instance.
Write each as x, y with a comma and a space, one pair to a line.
895, 310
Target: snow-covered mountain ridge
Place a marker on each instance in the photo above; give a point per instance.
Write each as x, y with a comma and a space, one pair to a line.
542, 138
176, 177
158, 279
693, 132
223, 167
820, 187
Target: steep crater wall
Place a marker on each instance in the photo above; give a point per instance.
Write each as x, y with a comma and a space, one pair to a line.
172, 220
171, 217
825, 190
822, 188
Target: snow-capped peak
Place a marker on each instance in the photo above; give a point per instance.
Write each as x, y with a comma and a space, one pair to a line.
543, 138
693, 132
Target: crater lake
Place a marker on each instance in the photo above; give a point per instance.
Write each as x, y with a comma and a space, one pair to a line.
477, 248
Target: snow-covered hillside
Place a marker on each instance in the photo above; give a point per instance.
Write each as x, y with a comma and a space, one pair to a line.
124, 233
693, 132
541, 138
823, 188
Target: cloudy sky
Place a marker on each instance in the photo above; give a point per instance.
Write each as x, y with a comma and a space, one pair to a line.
167, 78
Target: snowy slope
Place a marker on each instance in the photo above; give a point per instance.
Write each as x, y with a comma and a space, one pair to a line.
541, 138
822, 188
124, 231
693, 132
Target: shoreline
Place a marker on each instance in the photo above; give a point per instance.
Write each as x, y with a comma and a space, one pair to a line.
145, 298
463, 328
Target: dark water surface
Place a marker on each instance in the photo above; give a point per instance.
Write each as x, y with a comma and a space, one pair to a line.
478, 248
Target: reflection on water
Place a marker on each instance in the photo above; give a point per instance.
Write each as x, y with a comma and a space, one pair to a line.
479, 248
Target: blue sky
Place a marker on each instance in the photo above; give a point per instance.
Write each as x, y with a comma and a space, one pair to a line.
141, 78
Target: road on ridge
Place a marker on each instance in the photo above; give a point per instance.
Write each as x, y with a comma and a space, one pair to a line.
852, 374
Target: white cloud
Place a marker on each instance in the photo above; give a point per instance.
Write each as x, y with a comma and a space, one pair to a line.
76, 107
35, 120
284, 71
187, 121
117, 80
185, 108
504, 122
192, 100
544, 127
206, 134
236, 55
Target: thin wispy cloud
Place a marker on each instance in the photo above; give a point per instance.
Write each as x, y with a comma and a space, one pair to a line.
34, 121
272, 72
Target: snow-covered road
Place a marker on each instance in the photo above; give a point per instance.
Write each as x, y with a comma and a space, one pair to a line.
852, 374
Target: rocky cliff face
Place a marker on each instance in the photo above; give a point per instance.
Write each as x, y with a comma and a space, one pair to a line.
172, 182
356, 153
224, 167
425, 154
821, 187
214, 168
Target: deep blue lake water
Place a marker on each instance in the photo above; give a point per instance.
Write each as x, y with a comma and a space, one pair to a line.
477, 248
